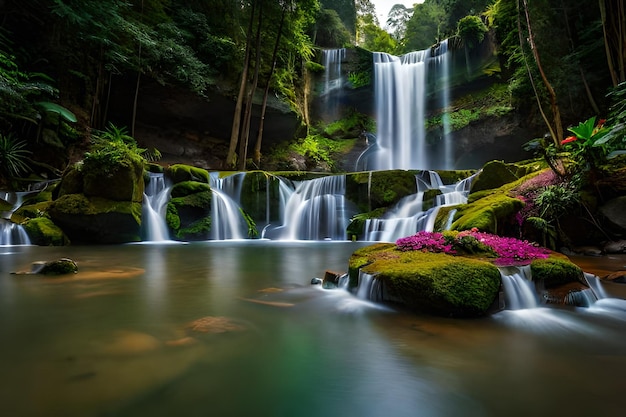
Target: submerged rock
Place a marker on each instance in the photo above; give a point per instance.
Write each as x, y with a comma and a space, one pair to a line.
62, 266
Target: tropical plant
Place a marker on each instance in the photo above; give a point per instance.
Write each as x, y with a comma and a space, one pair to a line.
14, 156
587, 146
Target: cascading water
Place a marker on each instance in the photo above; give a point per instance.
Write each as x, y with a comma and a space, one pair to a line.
402, 87
333, 80
314, 210
519, 290
12, 233
408, 217
156, 197
227, 219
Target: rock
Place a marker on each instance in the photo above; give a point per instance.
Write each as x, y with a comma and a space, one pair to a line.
435, 283
58, 267
493, 175
617, 277
43, 232
332, 277
615, 213
214, 324
615, 247
316, 281
588, 250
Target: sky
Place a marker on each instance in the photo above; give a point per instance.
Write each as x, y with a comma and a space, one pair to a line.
384, 6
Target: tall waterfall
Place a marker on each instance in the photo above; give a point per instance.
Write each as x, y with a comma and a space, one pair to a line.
403, 87
156, 197
333, 80
408, 217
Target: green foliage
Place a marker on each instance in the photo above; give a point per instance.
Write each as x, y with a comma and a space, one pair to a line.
556, 200
351, 125
14, 156
374, 38
471, 30
110, 149
331, 31
359, 79
425, 27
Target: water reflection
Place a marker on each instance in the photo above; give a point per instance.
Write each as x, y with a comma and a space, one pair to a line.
118, 339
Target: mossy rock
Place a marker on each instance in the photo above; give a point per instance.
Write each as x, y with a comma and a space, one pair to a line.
185, 188
487, 214
122, 181
430, 198
97, 220
5, 205
154, 168
43, 232
454, 176
372, 190
494, 175
356, 227
555, 271
435, 283
71, 183
181, 172
256, 189
188, 217
30, 211
61, 266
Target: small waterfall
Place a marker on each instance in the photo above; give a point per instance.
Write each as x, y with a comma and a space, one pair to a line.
519, 290
408, 217
596, 286
12, 233
156, 197
401, 88
227, 219
314, 210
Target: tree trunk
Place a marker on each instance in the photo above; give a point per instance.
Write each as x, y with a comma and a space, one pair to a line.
245, 134
136, 99
234, 134
259, 139
556, 114
614, 29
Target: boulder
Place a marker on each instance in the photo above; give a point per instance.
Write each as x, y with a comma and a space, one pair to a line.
494, 174
43, 232
435, 283
189, 215
97, 220
614, 211
61, 266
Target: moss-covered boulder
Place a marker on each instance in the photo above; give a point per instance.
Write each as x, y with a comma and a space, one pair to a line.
189, 213
122, 181
555, 271
494, 175
435, 283
97, 220
488, 214
43, 232
181, 172
61, 266
372, 190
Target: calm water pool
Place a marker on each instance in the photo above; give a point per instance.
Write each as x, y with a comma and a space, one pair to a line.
235, 329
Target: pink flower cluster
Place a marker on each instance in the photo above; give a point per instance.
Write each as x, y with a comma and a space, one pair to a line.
425, 242
508, 250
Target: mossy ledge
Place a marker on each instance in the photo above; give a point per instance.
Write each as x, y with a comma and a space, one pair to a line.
434, 283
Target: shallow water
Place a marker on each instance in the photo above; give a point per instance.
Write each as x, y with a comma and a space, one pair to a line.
115, 340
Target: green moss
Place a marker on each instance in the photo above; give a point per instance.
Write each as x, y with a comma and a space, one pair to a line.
198, 230
154, 168
180, 172
186, 188
43, 232
454, 176
430, 198
61, 266
494, 175
555, 271
435, 283
487, 213
31, 211
356, 226
388, 187
5, 205
71, 183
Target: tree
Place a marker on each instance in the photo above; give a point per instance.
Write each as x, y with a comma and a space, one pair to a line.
397, 20
424, 28
613, 15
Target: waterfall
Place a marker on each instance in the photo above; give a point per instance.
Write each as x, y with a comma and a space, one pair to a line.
227, 221
333, 81
156, 197
313, 210
408, 216
401, 89
519, 290
12, 233
596, 286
